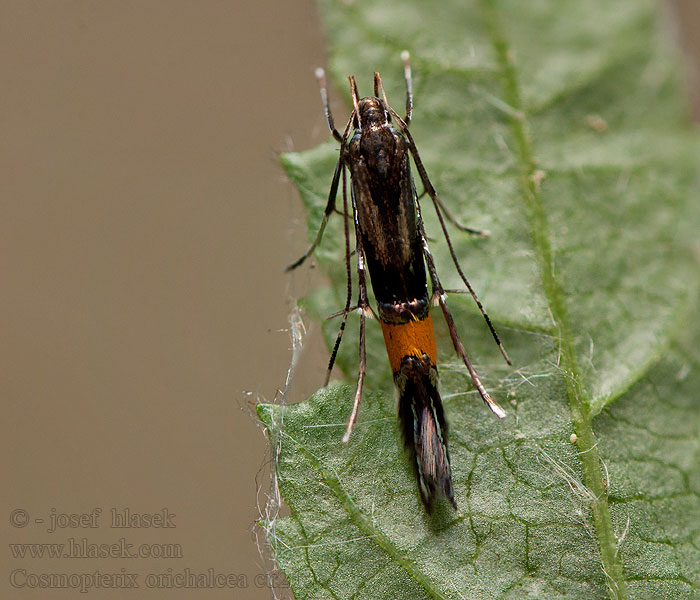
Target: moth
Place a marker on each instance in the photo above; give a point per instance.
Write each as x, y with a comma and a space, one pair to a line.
391, 244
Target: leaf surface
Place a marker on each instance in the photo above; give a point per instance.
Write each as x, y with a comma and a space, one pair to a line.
560, 128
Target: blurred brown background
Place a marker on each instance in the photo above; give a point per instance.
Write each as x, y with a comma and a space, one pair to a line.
145, 224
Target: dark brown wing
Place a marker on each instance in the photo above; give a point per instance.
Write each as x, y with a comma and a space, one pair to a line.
384, 200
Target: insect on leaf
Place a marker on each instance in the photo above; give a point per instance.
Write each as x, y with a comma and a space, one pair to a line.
560, 128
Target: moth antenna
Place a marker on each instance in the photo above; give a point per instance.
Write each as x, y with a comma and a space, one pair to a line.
355, 99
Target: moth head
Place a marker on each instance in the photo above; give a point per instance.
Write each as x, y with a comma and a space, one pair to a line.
371, 112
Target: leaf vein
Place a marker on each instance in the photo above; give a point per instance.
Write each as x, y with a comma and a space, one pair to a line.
578, 401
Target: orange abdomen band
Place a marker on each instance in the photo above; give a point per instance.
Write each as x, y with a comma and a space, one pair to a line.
414, 338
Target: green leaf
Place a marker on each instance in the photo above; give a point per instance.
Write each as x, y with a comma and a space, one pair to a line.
559, 127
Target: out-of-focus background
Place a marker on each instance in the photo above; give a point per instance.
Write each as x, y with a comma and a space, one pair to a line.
684, 15
145, 224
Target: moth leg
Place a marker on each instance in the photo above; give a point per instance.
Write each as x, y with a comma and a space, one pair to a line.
452, 219
437, 205
360, 188
441, 296
330, 208
348, 269
403, 123
363, 309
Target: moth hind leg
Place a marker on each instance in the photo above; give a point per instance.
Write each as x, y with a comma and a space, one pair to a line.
440, 297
